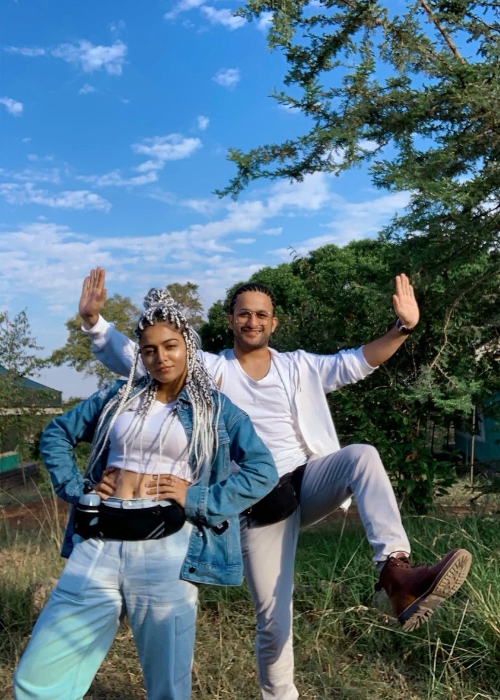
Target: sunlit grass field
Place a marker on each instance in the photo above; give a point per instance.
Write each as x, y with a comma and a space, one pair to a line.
345, 648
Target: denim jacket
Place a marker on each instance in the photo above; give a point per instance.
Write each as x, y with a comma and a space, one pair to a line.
219, 495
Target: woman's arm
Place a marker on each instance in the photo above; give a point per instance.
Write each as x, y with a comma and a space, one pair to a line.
63, 434
211, 505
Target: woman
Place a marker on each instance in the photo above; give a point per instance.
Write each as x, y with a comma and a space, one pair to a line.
161, 463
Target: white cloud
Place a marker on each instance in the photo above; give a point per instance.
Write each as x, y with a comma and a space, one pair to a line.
34, 158
117, 27
51, 175
27, 139
224, 17
202, 122
163, 148
159, 150
273, 231
116, 179
183, 6
86, 89
227, 77
12, 106
30, 52
353, 221
89, 57
264, 22
93, 58
77, 199
245, 241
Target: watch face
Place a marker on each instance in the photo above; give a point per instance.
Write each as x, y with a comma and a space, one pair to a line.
403, 329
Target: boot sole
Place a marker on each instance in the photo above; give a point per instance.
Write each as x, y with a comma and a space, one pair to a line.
446, 584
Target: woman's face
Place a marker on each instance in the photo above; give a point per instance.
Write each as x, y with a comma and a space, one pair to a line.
163, 352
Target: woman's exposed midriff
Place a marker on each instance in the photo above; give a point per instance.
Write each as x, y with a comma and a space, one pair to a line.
130, 484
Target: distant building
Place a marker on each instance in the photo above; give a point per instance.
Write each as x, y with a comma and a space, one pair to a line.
484, 444
23, 397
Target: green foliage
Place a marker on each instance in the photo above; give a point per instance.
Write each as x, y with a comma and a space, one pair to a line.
338, 298
414, 94
188, 298
19, 360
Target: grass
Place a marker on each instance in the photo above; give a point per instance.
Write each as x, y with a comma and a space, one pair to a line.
344, 648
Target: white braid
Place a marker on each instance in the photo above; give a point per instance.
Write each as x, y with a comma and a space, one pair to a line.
200, 387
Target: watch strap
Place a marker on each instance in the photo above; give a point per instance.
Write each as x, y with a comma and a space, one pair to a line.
403, 329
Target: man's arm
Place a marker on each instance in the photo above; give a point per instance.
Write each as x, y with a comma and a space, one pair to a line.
405, 305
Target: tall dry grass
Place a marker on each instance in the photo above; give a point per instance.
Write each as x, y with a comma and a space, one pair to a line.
345, 648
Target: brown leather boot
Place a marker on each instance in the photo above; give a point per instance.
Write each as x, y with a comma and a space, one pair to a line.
414, 591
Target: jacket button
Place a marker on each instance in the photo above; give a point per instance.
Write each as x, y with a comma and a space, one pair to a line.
199, 533
191, 569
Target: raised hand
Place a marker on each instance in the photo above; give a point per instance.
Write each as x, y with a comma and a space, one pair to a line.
93, 297
405, 304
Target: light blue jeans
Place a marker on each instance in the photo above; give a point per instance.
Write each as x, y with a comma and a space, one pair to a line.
102, 581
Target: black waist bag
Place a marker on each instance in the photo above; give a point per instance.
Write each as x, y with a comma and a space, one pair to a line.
281, 502
137, 524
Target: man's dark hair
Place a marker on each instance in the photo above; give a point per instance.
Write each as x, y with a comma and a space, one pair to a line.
252, 287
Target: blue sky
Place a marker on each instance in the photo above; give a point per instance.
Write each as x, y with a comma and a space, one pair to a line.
115, 120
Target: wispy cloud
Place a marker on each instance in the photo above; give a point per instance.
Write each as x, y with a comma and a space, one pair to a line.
86, 89
116, 179
202, 122
12, 106
90, 57
227, 77
87, 56
353, 221
76, 199
273, 231
48, 175
159, 150
264, 22
224, 17
31, 52
183, 6
163, 148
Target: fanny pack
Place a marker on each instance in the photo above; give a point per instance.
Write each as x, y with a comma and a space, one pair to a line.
136, 524
281, 502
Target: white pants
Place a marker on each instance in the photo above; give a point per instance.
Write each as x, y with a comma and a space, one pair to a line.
269, 551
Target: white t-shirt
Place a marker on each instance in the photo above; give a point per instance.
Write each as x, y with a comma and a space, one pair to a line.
157, 445
268, 406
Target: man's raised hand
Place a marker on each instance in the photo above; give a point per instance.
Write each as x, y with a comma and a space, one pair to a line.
405, 304
93, 297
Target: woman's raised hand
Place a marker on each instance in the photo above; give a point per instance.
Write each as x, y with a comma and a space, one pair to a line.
168, 487
93, 297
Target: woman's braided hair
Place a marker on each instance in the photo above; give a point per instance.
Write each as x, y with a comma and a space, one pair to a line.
200, 386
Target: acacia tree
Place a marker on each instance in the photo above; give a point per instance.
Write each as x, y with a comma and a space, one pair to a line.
416, 95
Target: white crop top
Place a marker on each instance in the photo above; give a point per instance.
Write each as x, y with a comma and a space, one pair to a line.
157, 445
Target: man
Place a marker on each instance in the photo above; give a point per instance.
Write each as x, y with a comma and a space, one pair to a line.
285, 396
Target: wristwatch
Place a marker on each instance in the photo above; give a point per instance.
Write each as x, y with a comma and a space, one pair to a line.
403, 329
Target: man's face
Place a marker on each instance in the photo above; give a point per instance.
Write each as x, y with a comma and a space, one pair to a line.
252, 320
